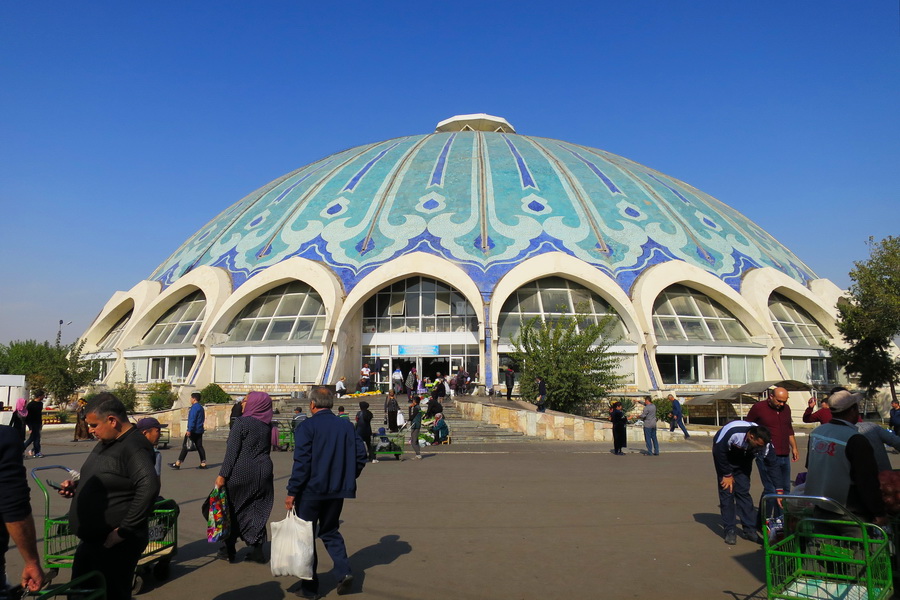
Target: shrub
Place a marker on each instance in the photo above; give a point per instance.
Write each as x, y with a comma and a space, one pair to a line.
161, 395
213, 394
127, 392
663, 409
62, 415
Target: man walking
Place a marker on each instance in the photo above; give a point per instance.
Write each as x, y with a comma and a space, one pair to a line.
328, 458
15, 511
734, 447
541, 401
35, 422
895, 417
677, 417
510, 379
113, 499
774, 414
194, 433
648, 416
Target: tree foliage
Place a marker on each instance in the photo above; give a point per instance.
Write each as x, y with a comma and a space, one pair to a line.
126, 391
571, 353
213, 394
56, 368
870, 318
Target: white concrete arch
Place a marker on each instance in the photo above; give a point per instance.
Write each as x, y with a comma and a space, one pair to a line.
759, 284
659, 277
314, 274
411, 265
558, 264
213, 282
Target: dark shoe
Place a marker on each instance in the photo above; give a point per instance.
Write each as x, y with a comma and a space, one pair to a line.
301, 593
256, 555
175, 466
344, 585
751, 536
224, 554
203, 466
730, 537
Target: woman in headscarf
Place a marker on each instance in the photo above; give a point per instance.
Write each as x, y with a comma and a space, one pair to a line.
364, 426
440, 429
246, 474
18, 418
81, 429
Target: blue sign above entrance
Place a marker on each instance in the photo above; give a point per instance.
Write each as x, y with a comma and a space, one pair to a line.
423, 350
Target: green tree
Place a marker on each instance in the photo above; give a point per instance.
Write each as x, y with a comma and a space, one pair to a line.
571, 353
126, 391
870, 318
161, 395
59, 369
213, 394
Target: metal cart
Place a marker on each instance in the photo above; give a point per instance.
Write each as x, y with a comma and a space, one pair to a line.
91, 586
285, 434
823, 552
60, 542
395, 447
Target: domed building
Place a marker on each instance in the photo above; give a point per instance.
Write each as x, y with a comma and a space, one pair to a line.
428, 251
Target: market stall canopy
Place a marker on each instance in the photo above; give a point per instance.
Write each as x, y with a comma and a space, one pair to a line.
749, 389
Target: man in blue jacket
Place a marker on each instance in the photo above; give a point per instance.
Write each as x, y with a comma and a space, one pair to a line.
194, 433
328, 458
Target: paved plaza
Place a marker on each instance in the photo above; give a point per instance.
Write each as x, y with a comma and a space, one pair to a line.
534, 520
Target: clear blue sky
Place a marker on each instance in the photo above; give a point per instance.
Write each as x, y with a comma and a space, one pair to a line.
125, 126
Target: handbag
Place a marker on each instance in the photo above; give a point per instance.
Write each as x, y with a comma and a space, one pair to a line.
189, 444
218, 521
293, 546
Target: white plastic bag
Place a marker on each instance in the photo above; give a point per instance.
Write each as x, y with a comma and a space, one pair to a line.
401, 420
292, 547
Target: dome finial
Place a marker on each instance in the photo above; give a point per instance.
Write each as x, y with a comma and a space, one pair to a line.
475, 122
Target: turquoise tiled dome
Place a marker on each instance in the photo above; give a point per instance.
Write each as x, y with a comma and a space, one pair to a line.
485, 200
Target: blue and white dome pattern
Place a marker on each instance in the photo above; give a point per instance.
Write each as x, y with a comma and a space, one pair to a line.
486, 201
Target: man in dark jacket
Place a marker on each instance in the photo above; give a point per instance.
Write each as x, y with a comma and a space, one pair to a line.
328, 458
35, 422
15, 512
734, 448
113, 499
509, 378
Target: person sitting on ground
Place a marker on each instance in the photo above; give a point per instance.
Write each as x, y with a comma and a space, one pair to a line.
440, 429
341, 387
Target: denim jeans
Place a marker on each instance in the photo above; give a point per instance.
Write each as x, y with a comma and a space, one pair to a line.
737, 503
775, 476
651, 441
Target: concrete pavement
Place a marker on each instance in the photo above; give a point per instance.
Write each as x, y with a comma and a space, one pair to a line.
512, 521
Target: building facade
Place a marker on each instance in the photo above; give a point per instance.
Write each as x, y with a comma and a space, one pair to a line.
429, 251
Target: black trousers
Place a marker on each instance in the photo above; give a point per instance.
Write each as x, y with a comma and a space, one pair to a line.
117, 564
197, 438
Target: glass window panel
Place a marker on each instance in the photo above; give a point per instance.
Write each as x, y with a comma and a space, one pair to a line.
369, 308
528, 301
398, 302
157, 369
442, 324
427, 285
268, 307
383, 325
581, 297
442, 303
790, 332
288, 367
194, 309
552, 282
398, 325
713, 368
412, 325
368, 326
263, 369
318, 328
165, 335
252, 309
555, 301
281, 329
717, 330
398, 287
223, 369
754, 368
305, 328
668, 327
667, 368
258, 331
705, 305
138, 368
180, 335
412, 305
240, 331
737, 370
687, 369
427, 305
683, 306
694, 329
290, 305
818, 370
778, 311
413, 286
509, 326
663, 307
440, 287
309, 366
736, 331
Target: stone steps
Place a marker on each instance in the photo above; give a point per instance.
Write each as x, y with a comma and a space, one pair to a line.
462, 431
